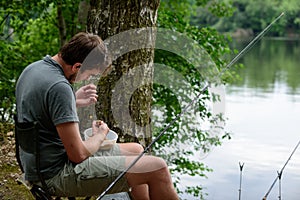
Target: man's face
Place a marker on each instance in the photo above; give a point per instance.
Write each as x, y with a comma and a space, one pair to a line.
85, 75
72, 78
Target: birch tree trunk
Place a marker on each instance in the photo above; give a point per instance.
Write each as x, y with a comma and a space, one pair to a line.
129, 117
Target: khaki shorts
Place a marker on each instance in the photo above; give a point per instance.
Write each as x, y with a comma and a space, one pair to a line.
92, 176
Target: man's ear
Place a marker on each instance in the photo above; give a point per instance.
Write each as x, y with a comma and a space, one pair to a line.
76, 67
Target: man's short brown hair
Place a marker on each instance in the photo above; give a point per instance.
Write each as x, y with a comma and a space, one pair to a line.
80, 46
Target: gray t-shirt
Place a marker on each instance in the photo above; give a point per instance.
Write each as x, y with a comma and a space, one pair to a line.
44, 95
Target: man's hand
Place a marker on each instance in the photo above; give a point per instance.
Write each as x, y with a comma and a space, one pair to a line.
99, 127
86, 95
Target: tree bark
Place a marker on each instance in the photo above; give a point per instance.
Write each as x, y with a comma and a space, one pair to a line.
135, 68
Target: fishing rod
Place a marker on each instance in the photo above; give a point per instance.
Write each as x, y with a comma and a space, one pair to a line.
241, 172
233, 61
279, 174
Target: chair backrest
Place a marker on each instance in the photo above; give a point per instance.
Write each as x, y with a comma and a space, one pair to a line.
27, 137
26, 134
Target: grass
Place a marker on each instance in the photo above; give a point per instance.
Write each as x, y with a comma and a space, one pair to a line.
10, 189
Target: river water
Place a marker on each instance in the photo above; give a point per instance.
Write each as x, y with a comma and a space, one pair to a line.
263, 112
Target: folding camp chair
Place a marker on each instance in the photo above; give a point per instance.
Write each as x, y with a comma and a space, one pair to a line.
26, 135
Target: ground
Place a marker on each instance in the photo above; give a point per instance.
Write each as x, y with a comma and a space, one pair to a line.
10, 189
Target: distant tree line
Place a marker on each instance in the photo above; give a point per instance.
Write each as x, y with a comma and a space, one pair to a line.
252, 16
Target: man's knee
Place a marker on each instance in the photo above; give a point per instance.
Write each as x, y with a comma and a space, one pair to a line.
161, 163
129, 149
155, 163
138, 148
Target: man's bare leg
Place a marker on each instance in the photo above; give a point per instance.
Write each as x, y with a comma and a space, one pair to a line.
140, 192
134, 149
130, 149
154, 172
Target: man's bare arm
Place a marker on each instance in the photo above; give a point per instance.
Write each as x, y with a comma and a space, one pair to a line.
77, 149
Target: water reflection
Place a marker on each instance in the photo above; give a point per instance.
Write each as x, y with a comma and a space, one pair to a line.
263, 109
270, 62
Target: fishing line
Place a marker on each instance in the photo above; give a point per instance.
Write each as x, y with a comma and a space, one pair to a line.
236, 58
280, 173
